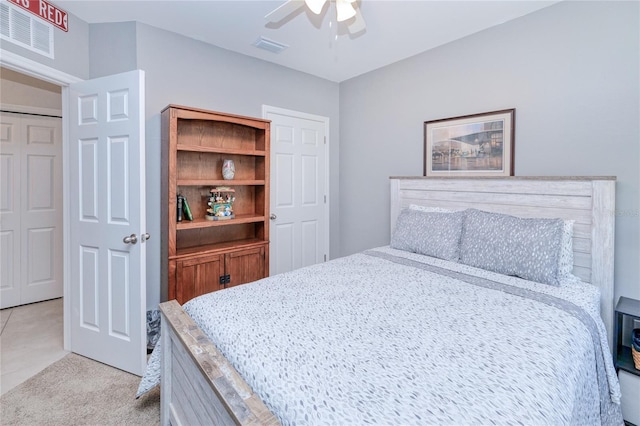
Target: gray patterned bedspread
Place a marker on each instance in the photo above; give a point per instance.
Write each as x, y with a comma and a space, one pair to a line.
388, 337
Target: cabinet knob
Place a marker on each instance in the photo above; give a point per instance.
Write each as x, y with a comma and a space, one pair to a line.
273, 216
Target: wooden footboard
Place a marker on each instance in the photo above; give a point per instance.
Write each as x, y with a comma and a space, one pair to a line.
198, 385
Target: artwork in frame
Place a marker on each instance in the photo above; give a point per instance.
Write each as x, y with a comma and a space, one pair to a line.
471, 145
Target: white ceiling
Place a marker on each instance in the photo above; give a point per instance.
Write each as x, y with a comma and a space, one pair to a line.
396, 29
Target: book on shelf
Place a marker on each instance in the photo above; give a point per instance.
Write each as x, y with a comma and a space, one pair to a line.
186, 210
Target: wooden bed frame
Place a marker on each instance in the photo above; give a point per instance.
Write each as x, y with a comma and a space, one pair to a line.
199, 386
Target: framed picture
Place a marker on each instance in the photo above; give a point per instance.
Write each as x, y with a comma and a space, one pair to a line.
470, 145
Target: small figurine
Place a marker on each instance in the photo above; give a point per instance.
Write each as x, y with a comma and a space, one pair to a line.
221, 203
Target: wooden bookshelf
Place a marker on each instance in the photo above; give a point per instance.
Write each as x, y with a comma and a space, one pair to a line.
201, 255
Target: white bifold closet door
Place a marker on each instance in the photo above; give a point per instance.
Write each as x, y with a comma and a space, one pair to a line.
31, 247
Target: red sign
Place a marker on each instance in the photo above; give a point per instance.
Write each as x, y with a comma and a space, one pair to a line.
46, 11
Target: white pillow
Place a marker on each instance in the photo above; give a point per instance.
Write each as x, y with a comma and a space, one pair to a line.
429, 209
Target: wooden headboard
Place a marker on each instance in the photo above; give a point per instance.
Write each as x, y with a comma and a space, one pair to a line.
590, 201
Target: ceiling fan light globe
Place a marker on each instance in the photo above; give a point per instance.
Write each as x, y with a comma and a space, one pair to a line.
315, 5
344, 10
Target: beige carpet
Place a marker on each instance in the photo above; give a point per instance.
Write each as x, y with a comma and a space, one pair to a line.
79, 391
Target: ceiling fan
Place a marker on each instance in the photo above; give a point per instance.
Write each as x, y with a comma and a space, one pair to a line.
346, 10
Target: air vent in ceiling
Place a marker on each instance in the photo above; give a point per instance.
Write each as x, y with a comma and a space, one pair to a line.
23, 29
270, 45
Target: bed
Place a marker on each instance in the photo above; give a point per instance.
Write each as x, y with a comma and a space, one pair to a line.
394, 336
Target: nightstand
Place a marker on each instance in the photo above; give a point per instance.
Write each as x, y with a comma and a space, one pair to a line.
626, 308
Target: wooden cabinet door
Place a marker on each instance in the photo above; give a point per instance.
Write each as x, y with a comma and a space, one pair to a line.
245, 266
198, 275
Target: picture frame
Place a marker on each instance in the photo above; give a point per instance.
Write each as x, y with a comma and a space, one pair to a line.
470, 145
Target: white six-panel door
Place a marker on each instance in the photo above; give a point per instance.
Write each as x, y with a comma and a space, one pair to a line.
107, 220
31, 249
299, 227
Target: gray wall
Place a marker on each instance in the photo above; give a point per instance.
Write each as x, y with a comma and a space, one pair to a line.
570, 70
113, 48
183, 71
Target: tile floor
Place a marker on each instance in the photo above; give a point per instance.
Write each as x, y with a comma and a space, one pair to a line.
31, 338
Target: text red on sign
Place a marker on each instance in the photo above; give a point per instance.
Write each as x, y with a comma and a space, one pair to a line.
46, 11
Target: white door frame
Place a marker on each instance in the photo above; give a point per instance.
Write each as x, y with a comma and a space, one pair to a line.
37, 70
266, 109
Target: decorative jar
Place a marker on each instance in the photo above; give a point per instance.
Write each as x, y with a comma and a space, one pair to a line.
228, 169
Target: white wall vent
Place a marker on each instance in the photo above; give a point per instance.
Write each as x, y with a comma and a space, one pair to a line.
270, 45
22, 28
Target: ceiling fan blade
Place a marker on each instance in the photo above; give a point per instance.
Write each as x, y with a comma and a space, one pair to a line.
284, 10
344, 10
315, 5
358, 23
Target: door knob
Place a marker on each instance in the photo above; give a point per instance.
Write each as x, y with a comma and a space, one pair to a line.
131, 239
273, 216
144, 237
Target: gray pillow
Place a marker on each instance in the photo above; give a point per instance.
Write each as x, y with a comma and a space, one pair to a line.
430, 233
526, 248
